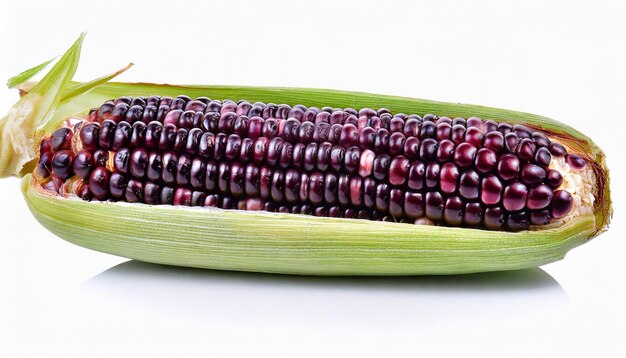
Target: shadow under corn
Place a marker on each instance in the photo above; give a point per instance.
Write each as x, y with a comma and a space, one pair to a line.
249, 298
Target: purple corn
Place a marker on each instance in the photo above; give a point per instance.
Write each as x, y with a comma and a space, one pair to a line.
334, 162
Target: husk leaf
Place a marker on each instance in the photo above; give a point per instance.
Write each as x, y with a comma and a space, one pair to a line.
293, 244
28, 74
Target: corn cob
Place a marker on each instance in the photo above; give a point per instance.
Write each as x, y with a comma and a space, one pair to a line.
369, 164
448, 182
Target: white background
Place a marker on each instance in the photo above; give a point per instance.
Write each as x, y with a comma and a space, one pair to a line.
562, 59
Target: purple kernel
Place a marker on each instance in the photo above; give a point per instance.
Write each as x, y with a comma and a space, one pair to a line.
514, 197
539, 197
562, 203
576, 162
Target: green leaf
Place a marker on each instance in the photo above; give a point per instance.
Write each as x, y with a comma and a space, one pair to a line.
54, 84
76, 89
26, 75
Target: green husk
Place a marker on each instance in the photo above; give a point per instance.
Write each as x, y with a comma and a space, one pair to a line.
28, 74
295, 244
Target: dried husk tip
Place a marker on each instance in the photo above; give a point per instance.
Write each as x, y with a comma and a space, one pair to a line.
34, 113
